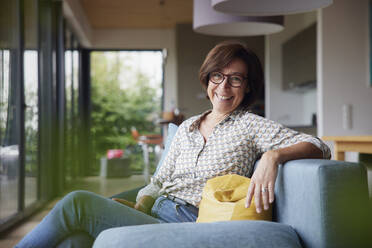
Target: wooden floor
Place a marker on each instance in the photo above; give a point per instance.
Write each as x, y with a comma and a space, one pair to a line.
102, 186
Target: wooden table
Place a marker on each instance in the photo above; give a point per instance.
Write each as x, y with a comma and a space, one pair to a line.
361, 144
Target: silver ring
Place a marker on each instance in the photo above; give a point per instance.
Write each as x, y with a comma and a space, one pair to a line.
264, 190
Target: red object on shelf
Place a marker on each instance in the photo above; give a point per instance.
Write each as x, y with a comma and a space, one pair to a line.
114, 153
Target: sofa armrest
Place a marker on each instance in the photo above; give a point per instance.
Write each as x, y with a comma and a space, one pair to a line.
325, 201
129, 195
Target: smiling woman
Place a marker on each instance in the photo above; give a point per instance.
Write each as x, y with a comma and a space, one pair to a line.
229, 138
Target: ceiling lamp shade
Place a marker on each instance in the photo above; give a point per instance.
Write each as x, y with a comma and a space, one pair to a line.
267, 7
208, 21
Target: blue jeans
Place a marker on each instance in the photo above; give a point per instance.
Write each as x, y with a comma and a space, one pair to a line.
168, 211
88, 213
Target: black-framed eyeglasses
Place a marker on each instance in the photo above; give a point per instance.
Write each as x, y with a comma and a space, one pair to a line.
234, 80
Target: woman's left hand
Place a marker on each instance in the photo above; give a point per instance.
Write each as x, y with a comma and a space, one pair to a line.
263, 181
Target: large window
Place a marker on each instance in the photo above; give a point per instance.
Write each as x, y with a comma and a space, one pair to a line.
71, 163
31, 113
9, 98
32, 105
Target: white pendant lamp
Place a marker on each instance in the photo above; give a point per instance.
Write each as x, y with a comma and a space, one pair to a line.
208, 21
267, 7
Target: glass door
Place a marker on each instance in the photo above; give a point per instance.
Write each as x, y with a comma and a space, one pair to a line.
30, 56
9, 107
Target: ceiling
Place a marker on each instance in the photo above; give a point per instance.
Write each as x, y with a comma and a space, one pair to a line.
110, 14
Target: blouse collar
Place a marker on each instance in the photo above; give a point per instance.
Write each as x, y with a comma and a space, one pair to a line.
196, 123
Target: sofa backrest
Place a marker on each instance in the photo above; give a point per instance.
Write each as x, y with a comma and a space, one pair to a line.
172, 129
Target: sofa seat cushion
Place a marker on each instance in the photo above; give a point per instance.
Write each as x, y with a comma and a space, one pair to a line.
217, 234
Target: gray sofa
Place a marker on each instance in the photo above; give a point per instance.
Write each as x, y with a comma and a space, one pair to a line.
319, 203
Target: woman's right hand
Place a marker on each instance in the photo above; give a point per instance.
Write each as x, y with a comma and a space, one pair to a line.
144, 204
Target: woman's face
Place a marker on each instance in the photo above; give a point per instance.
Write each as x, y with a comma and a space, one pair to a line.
223, 96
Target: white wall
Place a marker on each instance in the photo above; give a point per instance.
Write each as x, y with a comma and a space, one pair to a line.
309, 106
286, 107
145, 39
343, 68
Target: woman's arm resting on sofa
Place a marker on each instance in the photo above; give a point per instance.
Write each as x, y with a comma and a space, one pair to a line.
263, 179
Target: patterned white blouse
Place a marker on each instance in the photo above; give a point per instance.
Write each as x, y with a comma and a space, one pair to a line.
232, 148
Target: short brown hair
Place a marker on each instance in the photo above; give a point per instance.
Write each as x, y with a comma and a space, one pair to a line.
222, 55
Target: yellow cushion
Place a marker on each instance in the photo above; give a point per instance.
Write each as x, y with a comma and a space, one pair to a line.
224, 198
